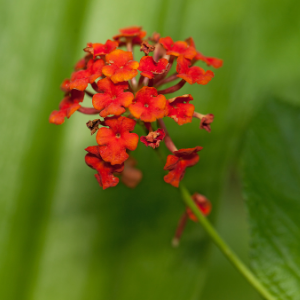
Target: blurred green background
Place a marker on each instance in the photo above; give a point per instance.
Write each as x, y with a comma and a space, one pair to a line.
61, 236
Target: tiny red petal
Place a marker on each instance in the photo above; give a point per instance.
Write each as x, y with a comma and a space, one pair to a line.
112, 99
148, 105
194, 74
179, 48
65, 86
176, 164
67, 107
133, 31
116, 139
203, 204
180, 110
105, 170
153, 138
149, 67
206, 121
122, 66
98, 49
131, 176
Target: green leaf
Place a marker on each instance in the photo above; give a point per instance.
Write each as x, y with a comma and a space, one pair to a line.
272, 188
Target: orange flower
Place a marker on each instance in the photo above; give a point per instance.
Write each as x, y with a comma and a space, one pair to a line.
193, 74
176, 164
178, 48
67, 107
113, 99
134, 33
180, 110
122, 66
149, 67
81, 79
116, 139
99, 49
105, 170
148, 105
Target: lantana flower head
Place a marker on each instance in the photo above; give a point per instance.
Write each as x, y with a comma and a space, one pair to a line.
129, 93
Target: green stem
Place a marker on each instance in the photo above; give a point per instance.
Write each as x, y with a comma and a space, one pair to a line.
223, 246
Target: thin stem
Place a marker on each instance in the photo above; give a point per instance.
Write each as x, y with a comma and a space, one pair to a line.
173, 88
169, 79
88, 110
168, 141
231, 256
179, 230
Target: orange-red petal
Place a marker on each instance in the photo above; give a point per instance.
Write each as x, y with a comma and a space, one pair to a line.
148, 105
180, 110
112, 99
176, 164
105, 170
149, 67
194, 74
114, 141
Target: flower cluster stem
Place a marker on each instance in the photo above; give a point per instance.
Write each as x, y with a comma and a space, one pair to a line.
219, 242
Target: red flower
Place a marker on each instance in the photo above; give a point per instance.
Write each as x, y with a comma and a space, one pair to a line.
206, 121
131, 176
178, 48
131, 32
81, 79
176, 164
101, 49
116, 139
149, 67
105, 170
210, 61
81, 64
193, 74
113, 99
153, 138
203, 204
180, 110
67, 107
65, 86
122, 66
148, 105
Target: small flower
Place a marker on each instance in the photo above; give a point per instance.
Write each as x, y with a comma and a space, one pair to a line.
203, 204
148, 105
177, 163
178, 48
98, 49
193, 74
134, 34
149, 67
65, 86
122, 66
206, 120
80, 79
67, 107
131, 176
180, 110
146, 47
153, 138
116, 139
112, 99
105, 170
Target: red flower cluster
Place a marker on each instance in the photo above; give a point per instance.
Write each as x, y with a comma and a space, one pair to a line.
108, 75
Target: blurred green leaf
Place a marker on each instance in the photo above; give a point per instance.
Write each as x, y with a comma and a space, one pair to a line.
272, 187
